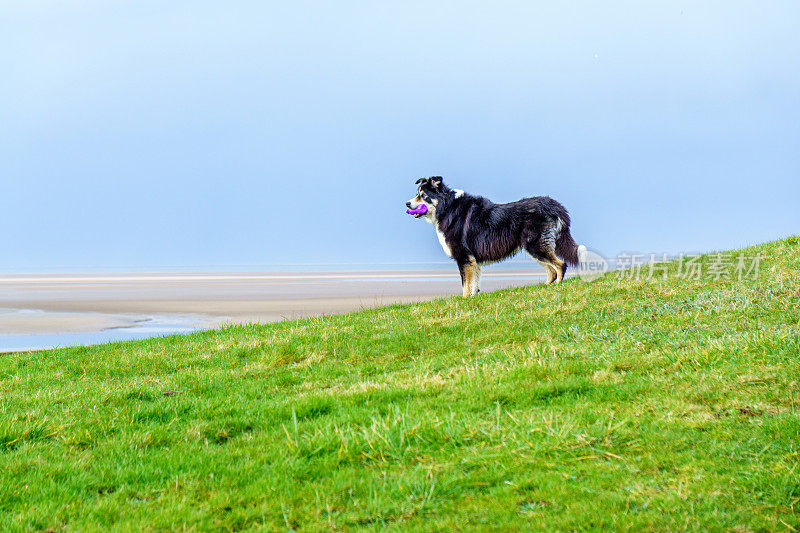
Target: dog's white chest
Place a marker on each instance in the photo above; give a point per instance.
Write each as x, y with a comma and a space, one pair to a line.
443, 242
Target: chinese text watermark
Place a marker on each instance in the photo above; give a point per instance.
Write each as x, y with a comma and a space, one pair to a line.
720, 266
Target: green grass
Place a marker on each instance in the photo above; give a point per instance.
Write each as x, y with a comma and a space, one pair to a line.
624, 404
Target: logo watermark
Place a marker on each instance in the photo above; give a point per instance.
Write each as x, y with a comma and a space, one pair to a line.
592, 265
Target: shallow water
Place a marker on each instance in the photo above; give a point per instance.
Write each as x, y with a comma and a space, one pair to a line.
143, 329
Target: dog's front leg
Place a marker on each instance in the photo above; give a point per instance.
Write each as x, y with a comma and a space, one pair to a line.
463, 269
475, 285
469, 277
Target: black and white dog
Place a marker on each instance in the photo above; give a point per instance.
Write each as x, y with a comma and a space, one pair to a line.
475, 231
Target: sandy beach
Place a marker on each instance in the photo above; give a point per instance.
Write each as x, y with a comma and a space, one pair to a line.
52, 304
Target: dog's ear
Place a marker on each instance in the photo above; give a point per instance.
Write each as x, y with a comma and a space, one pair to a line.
436, 181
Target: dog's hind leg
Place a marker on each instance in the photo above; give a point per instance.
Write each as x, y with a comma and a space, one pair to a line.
554, 267
541, 246
559, 266
548, 268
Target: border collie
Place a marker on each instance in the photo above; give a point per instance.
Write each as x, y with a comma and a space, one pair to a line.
475, 231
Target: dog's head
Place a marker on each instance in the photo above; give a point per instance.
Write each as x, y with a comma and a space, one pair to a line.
433, 194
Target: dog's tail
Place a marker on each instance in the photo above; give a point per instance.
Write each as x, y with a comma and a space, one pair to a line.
567, 249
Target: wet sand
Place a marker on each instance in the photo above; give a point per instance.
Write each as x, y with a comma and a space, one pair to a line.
77, 303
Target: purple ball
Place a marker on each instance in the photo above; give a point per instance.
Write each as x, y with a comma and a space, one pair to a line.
421, 209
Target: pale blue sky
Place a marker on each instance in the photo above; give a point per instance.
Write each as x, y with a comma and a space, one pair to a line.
252, 134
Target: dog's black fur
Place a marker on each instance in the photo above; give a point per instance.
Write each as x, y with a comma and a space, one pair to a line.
476, 231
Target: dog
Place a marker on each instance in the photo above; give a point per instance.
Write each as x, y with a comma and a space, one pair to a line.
475, 231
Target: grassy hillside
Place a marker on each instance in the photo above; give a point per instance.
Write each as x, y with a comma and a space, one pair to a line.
631, 404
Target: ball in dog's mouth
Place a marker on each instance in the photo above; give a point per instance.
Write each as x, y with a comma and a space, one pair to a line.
418, 211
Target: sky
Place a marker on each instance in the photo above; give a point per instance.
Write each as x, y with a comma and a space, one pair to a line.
148, 135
